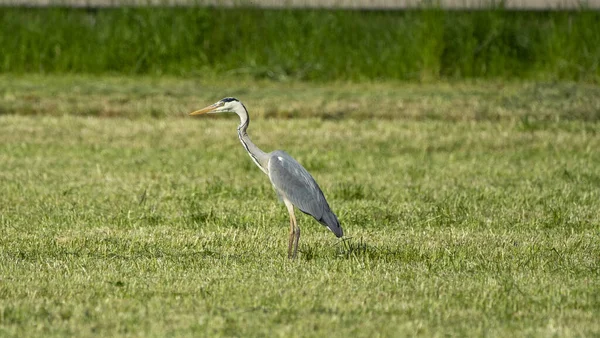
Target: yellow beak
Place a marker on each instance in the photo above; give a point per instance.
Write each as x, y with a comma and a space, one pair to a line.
205, 110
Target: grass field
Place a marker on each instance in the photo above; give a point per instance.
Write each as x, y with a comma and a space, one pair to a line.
321, 45
470, 209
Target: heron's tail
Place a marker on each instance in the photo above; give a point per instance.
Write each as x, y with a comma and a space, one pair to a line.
331, 221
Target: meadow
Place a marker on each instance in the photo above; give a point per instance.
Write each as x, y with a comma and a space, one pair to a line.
469, 208
309, 45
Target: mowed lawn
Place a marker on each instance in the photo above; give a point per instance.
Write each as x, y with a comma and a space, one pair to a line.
469, 209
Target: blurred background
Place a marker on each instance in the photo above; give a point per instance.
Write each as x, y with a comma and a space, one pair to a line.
305, 40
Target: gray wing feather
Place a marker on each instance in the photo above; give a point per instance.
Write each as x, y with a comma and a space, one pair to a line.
295, 183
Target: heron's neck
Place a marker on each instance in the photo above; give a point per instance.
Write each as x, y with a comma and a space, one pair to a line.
258, 156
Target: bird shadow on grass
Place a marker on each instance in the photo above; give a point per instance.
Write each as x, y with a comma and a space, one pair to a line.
351, 248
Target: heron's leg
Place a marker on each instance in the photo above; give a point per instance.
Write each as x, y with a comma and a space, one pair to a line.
293, 235
297, 239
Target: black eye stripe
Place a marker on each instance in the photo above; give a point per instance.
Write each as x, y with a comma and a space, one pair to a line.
229, 99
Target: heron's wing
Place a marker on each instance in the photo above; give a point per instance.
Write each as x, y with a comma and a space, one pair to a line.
294, 183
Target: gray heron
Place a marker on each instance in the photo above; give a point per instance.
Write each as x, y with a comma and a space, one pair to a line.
296, 187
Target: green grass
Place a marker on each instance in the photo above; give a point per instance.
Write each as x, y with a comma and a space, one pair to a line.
160, 225
532, 105
322, 45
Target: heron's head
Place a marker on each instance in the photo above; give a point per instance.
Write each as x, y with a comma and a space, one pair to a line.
226, 105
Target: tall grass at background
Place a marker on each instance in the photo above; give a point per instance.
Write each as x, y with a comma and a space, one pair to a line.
303, 44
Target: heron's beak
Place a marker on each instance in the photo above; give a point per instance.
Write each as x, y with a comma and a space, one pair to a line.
205, 110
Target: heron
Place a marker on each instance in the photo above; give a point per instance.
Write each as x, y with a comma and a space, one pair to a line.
292, 182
